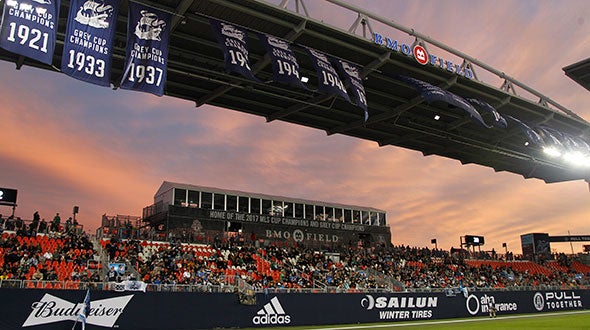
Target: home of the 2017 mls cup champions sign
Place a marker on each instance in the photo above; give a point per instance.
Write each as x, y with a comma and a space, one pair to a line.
88, 43
29, 27
148, 34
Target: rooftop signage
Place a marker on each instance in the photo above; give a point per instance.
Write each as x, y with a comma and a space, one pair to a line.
421, 55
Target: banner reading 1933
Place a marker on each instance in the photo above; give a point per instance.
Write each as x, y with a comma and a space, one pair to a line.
148, 34
29, 27
88, 44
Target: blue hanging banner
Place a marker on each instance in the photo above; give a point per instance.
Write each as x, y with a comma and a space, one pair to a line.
433, 93
532, 135
352, 76
234, 45
29, 27
328, 80
148, 35
284, 63
499, 121
88, 44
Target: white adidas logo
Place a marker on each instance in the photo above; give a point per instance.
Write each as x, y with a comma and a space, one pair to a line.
272, 313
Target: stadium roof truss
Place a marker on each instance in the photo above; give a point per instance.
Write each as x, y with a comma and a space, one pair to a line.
398, 114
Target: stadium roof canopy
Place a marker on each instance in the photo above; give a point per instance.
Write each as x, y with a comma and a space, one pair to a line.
579, 72
398, 114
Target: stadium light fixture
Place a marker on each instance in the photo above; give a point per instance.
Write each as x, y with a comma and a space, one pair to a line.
304, 79
437, 117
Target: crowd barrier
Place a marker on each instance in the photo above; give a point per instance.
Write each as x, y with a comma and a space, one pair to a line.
58, 309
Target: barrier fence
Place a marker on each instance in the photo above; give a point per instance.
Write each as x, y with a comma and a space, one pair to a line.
58, 309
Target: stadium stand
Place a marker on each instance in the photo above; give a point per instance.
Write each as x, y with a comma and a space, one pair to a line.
66, 259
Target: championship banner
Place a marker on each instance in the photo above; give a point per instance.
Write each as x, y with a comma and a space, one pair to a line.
433, 93
532, 135
284, 63
328, 80
29, 28
88, 44
148, 35
234, 45
352, 75
499, 121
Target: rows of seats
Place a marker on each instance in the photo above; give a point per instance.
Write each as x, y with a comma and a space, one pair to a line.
291, 267
271, 266
53, 259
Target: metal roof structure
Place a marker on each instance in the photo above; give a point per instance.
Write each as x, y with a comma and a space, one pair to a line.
579, 72
398, 115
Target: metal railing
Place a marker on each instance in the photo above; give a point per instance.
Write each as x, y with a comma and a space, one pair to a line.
233, 288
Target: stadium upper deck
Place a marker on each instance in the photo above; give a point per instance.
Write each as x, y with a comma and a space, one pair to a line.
397, 114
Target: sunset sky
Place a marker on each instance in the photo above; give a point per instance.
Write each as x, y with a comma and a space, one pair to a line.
66, 143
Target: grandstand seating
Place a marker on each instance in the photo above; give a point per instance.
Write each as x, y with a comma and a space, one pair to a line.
64, 261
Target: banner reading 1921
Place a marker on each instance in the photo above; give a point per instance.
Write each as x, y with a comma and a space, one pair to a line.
29, 27
88, 44
148, 34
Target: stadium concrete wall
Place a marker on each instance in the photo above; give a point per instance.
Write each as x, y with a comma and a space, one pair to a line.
58, 309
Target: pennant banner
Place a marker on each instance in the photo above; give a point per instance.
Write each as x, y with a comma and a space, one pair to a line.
148, 34
352, 75
233, 42
328, 80
531, 134
284, 64
499, 121
550, 137
433, 93
88, 45
29, 27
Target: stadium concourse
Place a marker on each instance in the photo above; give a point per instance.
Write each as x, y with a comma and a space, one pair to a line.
71, 259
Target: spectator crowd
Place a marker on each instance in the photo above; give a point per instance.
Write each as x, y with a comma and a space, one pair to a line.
41, 251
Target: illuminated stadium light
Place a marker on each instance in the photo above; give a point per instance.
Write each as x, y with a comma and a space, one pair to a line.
436, 117
526, 143
304, 79
552, 151
576, 158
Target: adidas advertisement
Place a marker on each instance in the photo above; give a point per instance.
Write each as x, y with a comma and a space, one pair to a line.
272, 313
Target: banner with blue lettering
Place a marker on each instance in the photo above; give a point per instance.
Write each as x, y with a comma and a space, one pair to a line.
352, 76
29, 28
284, 63
148, 35
433, 93
88, 44
234, 45
328, 80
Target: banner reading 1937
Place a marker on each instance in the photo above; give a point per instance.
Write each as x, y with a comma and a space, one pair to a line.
88, 44
29, 27
148, 35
